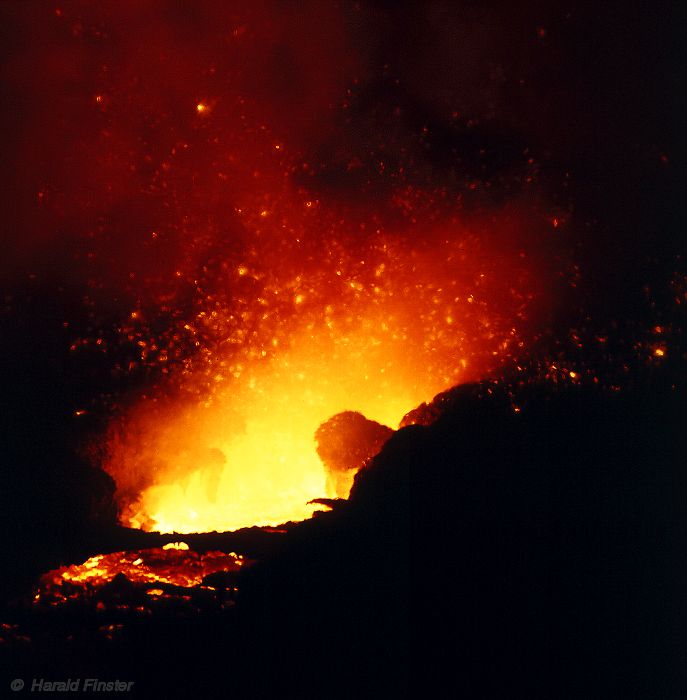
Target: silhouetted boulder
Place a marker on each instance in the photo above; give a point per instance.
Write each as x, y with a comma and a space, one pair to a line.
344, 443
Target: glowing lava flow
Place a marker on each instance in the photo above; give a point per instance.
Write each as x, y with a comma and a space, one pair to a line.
173, 565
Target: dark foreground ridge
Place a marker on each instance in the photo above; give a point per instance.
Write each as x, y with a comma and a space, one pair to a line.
495, 553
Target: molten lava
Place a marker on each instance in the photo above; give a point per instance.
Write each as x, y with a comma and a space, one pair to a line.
153, 570
376, 330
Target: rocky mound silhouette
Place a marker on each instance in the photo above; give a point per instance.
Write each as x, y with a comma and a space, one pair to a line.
535, 553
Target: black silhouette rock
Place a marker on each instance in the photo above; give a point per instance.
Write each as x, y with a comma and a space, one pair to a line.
344, 443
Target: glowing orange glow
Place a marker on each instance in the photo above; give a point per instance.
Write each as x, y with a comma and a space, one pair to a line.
376, 331
249, 458
175, 566
249, 325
